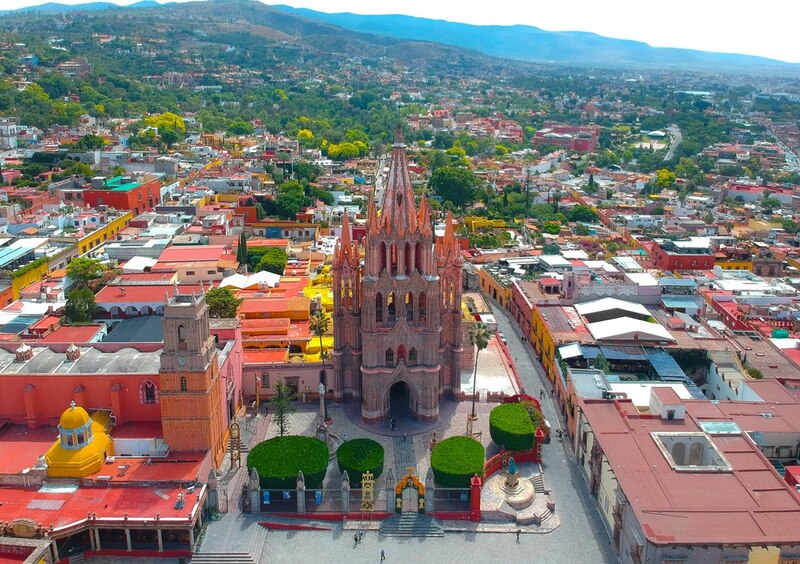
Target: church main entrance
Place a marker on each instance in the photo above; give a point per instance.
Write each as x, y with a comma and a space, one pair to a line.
399, 401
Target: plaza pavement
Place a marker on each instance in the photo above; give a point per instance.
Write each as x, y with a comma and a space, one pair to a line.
581, 536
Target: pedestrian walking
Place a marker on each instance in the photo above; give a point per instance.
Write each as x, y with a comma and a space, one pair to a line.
383, 556
355, 540
541, 393
518, 532
404, 437
551, 393
360, 535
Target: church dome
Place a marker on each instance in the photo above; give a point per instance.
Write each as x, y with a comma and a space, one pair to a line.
75, 417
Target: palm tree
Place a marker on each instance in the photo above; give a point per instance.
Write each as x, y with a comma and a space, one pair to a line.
319, 326
479, 337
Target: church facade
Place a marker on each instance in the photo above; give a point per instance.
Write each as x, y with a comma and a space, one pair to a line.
397, 315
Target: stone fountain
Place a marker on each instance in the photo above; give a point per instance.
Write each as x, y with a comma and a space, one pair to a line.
518, 493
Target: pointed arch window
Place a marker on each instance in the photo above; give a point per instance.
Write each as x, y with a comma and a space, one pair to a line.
418, 257
391, 306
148, 392
183, 383
408, 257
409, 306
389, 357
412, 357
422, 306
382, 258
379, 308
394, 259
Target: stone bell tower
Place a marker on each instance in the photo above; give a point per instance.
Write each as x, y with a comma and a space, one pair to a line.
190, 396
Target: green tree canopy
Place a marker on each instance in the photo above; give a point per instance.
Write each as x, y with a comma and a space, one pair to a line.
81, 305
582, 213
239, 126
90, 143
85, 269
456, 185
222, 303
290, 199
167, 120
273, 260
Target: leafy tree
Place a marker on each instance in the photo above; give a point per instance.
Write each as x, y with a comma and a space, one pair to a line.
222, 303
319, 326
665, 178
169, 136
552, 227
84, 269
771, 203
582, 213
239, 126
601, 363
307, 171
81, 305
290, 199
273, 260
478, 338
241, 250
281, 406
90, 143
456, 185
581, 230
658, 210
167, 120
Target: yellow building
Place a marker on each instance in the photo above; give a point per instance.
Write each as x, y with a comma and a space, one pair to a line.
81, 448
500, 291
104, 233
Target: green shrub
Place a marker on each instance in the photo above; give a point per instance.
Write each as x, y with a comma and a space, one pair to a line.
279, 460
358, 456
456, 460
510, 427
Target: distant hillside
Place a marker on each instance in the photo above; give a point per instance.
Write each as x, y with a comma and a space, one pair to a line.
533, 44
55, 7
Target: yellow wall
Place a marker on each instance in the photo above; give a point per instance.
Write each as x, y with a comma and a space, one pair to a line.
735, 265
33, 275
762, 555
474, 223
105, 233
493, 288
543, 343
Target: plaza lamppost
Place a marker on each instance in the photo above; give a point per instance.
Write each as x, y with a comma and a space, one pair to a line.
479, 337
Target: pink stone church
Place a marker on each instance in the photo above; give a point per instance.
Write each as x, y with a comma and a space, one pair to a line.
397, 316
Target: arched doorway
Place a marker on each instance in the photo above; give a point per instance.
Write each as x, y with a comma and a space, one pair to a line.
409, 494
399, 400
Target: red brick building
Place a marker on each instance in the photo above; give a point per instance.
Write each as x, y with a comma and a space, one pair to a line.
581, 138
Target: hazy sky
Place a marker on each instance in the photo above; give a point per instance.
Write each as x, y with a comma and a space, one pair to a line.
731, 26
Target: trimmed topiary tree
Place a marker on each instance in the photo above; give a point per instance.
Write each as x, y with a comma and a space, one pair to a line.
279, 460
457, 459
510, 427
358, 456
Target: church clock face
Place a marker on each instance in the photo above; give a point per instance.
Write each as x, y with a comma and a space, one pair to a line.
181, 361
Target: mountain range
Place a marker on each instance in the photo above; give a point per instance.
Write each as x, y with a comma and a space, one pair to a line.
518, 42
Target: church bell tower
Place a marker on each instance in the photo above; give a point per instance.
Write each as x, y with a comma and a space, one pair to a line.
191, 397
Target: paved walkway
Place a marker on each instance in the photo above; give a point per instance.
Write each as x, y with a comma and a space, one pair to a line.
404, 455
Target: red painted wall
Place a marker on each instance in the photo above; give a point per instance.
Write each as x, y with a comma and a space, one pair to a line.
140, 199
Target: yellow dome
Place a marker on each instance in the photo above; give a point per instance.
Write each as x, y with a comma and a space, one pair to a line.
74, 417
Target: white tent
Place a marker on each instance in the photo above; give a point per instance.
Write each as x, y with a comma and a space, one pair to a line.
628, 329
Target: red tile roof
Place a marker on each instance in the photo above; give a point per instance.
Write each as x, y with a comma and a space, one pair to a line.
751, 504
